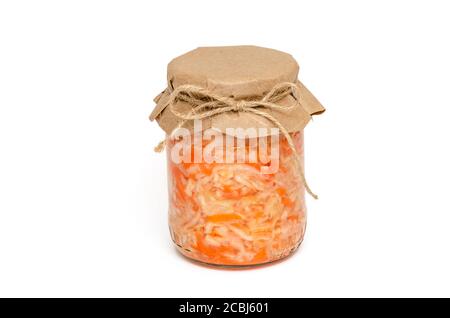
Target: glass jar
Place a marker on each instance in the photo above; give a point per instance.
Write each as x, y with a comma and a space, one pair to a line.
248, 211
242, 201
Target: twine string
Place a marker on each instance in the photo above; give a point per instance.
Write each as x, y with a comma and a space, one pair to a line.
206, 104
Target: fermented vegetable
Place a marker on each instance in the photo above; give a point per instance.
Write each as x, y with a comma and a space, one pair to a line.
233, 213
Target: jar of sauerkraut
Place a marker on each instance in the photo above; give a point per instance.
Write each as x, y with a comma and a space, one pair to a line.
234, 119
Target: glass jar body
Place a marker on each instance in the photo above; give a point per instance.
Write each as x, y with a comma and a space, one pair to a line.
245, 207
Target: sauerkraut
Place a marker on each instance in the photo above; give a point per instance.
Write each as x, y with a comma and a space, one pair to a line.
231, 213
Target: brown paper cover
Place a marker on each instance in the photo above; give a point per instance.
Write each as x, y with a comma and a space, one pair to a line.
240, 72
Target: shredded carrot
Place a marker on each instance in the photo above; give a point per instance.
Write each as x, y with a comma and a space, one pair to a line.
227, 188
287, 202
260, 257
281, 191
232, 214
218, 218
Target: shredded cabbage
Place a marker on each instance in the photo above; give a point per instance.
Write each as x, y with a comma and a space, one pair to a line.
232, 214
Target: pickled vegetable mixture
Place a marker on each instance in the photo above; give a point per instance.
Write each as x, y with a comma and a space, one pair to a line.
232, 214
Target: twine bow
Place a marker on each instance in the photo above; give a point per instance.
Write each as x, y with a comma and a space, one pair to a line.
206, 104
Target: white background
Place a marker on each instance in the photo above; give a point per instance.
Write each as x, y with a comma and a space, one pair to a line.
83, 199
